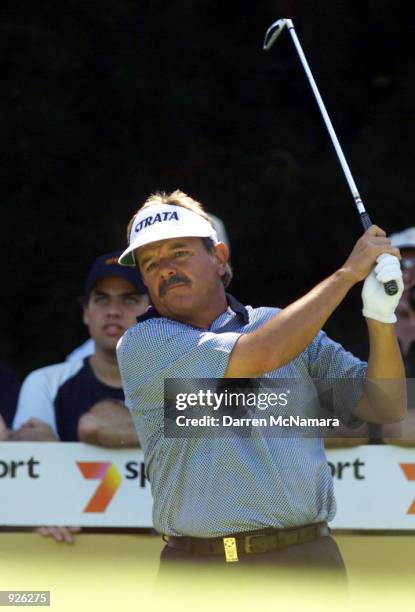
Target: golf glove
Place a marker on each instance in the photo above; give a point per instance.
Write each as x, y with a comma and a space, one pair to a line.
377, 304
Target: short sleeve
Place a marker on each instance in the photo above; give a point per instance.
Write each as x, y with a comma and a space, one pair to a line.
35, 400
161, 348
339, 375
157, 349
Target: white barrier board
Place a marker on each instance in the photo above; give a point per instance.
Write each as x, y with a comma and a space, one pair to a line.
55, 483
77, 484
375, 487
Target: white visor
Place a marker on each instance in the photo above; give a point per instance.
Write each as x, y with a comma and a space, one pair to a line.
162, 222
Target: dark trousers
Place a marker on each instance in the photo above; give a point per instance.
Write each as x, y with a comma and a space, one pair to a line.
319, 558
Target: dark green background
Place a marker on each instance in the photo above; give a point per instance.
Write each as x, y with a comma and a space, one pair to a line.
105, 102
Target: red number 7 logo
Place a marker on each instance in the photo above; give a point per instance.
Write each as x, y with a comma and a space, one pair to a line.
110, 479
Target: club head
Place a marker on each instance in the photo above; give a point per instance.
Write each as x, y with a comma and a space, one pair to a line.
274, 31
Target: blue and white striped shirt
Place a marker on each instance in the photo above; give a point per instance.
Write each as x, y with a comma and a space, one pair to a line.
213, 486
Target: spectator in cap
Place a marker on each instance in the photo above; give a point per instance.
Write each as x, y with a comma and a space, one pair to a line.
84, 400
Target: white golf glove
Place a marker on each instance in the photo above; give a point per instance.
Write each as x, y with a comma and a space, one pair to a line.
377, 304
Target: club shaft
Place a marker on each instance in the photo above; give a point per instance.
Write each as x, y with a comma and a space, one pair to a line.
271, 36
328, 123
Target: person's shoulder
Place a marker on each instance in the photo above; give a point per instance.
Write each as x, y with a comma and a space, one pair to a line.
320, 341
56, 373
261, 314
325, 349
150, 331
263, 310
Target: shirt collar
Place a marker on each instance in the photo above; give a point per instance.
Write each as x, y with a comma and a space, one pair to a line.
238, 308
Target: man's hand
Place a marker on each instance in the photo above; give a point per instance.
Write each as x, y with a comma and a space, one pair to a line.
60, 534
34, 430
4, 430
108, 423
377, 304
284, 336
366, 251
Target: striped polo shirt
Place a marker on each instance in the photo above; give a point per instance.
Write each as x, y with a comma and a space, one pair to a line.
213, 486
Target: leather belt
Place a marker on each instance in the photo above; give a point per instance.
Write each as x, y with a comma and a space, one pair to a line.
262, 541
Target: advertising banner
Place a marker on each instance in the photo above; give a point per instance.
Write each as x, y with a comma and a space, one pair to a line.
78, 484
55, 483
375, 487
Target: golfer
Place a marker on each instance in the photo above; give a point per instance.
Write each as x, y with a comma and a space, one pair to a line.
246, 499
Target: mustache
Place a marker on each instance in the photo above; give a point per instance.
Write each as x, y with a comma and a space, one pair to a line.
172, 280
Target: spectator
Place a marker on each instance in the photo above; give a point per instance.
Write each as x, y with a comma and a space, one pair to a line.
83, 400
9, 385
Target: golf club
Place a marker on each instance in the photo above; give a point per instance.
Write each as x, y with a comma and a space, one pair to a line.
271, 36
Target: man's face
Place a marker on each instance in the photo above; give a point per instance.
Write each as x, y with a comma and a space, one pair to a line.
112, 308
182, 276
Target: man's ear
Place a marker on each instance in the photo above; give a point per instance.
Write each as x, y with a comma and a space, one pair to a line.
222, 256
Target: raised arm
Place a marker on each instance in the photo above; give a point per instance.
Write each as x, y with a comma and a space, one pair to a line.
287, 334
385, 391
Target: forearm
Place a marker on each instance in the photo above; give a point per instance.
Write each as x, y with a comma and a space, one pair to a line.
385, 389
287, 334
385, 359
34, 430
105, 432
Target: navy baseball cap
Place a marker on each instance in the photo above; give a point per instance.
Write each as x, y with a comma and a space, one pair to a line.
107, 265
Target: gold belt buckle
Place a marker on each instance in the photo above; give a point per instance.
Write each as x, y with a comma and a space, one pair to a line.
231, 550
